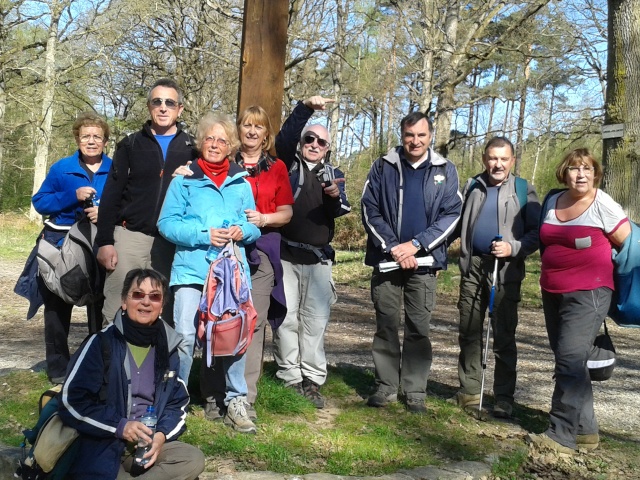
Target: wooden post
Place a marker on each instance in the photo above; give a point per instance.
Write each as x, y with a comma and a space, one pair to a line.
264, 48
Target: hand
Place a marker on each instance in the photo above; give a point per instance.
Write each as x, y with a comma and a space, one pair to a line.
92, 214
501, 249
254, 217
235, 232
333, 190
134, 430
318, 102
108, 257
404, 254
219, 236
158, 441
83, 193
183, 170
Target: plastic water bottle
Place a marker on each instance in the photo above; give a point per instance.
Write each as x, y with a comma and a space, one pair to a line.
214, 251
149, 419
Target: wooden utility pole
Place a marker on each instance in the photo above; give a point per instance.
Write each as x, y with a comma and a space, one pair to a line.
264, 48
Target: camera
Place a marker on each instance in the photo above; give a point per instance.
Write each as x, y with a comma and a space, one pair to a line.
325, 176
88, 202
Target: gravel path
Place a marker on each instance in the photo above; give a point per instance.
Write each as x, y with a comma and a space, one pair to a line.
349, 342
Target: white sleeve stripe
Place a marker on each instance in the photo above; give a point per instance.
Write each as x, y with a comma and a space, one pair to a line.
65, 392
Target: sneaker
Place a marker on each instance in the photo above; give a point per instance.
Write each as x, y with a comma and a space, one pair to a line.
502, 409
416, 405
237, 417
251, 412
588, 442
213, 412
381, 399
544, 441
311, 391
297, 387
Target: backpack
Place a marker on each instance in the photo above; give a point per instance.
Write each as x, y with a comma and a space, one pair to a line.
71, 271
227, 317
625, 304
54, 445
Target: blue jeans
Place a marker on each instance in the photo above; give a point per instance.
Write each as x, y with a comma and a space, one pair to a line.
185, 315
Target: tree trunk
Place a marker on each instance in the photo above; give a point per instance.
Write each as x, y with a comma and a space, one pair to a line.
521, 113
341, 16
264, 47
621, 157
43, 132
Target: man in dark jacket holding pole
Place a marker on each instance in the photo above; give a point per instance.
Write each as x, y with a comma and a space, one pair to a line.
410, 205
142, 169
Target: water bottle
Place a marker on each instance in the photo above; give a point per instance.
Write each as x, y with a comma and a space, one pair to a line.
213, 251
149, 419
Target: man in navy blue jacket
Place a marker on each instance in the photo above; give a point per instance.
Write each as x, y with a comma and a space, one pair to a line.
410, 205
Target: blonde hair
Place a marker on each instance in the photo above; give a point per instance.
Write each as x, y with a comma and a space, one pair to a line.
212, 119
258, 116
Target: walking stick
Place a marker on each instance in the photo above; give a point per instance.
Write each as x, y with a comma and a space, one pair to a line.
489, 321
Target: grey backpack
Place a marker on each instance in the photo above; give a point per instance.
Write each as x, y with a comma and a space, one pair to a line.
71, 271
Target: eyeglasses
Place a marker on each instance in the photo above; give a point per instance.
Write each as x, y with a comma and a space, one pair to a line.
308, 140
169, 102
582, 169
139, 296
88, 138
220, 142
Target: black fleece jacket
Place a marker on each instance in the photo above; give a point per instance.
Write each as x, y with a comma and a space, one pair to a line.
138, 181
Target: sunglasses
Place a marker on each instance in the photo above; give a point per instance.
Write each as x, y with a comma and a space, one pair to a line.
169, 102
153, 297
308, 140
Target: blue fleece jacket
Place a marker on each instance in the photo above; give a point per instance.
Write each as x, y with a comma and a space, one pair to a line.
57, 195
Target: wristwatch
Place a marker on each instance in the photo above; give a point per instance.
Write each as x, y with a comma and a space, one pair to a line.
416, 243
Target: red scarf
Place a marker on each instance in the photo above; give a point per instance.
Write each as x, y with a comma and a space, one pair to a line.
217, 172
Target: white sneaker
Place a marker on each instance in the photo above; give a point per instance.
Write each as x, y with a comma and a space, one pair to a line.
237, 417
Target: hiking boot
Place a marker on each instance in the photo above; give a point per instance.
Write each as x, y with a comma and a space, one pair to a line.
251, 412
466, 401
544, 441
213, 412
296, 387
416, 405
381, 399
588, 442
502, 409
311, 391
237, 417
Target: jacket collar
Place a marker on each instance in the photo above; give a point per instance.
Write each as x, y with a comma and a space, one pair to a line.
393, 157
235, 171
173, 339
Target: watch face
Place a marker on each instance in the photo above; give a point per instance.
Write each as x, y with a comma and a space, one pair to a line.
416, 243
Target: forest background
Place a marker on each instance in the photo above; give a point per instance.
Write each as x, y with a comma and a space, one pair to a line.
532, 70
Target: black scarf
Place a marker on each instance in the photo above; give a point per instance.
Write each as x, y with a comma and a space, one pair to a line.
153, 335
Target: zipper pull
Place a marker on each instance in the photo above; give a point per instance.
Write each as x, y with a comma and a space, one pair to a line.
161, 172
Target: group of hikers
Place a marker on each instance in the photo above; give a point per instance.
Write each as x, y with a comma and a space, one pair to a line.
167, 198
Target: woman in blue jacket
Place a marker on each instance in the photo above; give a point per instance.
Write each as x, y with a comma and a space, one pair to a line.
72, 188
192, 217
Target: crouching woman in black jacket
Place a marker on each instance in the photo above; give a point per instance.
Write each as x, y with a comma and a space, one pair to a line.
104, 398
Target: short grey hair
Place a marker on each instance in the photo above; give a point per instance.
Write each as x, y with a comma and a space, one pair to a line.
167, 83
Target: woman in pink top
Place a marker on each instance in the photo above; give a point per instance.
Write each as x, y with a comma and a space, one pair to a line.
579, 226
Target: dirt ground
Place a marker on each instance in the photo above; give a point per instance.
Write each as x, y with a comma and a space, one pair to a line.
349, 340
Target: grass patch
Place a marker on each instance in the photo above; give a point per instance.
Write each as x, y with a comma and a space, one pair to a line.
17, 236
347, 438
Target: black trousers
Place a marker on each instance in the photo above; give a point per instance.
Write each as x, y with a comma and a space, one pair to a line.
57, 320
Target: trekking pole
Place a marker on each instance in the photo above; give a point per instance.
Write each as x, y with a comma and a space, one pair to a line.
490, 318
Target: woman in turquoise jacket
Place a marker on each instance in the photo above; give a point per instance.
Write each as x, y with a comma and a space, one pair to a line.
71, 189
197, 204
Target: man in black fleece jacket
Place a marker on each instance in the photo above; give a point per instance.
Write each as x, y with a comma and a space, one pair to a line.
320, 197
142, 169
